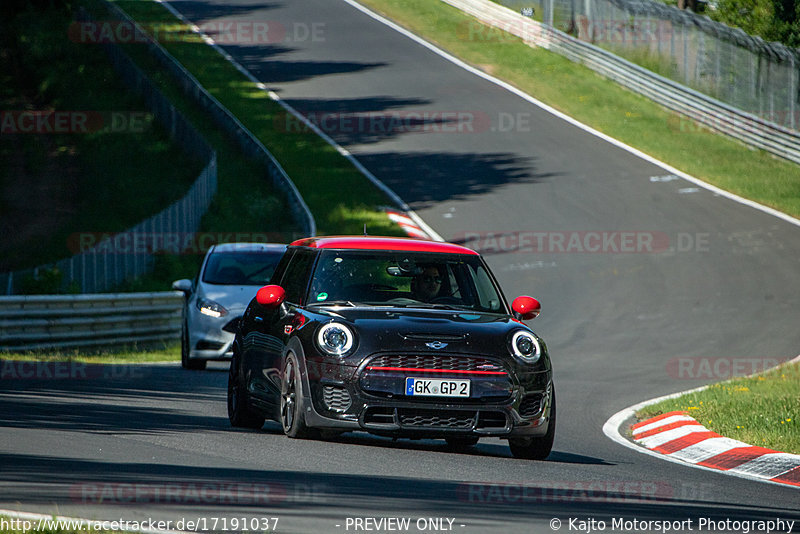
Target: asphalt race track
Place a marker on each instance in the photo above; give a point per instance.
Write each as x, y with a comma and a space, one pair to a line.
647, 282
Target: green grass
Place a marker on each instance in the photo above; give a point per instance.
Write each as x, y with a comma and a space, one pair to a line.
605, 106
325, 179
167, 352
101, 181
660, 64
762, 410
246, 202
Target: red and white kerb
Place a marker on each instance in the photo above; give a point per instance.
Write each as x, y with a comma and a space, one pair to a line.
408, 225
680, 436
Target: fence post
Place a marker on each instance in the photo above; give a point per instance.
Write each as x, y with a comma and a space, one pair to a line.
792, 92
717, 80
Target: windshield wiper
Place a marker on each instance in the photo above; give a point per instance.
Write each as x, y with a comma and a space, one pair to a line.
335, 303
435, 306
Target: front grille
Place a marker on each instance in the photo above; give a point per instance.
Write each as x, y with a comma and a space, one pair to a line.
531, 405
337, 398
436, 361
436, 419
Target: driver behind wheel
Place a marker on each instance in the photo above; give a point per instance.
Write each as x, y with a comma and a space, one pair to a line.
427, 285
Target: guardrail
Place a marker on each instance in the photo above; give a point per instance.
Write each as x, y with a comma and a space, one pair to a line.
248, 142
712, 113
106, 264
85, 321
98, 268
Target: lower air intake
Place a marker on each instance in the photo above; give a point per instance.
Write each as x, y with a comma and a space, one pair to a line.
336, 398
436, 419
531, 405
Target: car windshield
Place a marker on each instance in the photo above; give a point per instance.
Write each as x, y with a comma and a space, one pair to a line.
405, 279
241, 268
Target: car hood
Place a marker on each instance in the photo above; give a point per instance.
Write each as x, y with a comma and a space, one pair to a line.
234, 298
416, 329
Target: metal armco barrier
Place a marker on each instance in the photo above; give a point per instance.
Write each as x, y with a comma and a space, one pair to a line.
89, 321
248, 142
712, 113
100, 268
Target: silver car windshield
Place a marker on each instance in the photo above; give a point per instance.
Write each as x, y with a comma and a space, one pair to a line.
405, 279
241, 268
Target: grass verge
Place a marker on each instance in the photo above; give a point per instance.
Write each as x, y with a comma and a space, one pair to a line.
246, 203
168, 352
68, 179
762, 410
324, 178
604, 105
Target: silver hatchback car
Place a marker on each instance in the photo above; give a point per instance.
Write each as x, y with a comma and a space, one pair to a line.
215, 300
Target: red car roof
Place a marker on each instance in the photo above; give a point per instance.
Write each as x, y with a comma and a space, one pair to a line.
382, 243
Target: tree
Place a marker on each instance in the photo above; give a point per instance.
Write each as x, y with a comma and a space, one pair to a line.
772, 20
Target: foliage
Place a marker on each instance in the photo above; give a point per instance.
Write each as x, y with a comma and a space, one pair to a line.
43, 282
772, 20
63, 184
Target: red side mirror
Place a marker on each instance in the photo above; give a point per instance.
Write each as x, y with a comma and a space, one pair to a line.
526, 307
270, 296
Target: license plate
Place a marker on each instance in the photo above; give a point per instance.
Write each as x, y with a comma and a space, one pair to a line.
436, 387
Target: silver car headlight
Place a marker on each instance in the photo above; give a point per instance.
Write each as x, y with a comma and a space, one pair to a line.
211, 308
525, 346
335, 339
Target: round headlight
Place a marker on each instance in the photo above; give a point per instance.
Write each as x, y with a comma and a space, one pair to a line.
526, 346
335, 338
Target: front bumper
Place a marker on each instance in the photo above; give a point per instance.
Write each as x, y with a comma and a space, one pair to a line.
211, 338
516, 405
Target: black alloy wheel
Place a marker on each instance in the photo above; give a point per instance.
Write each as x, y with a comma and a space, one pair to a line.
292, 418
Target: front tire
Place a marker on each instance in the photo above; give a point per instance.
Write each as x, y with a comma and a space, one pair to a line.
238, 413
536, 448
186, 362
292, 417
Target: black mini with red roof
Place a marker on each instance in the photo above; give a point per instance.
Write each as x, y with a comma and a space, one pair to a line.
393, 336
